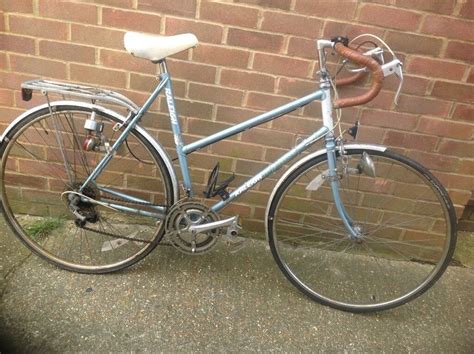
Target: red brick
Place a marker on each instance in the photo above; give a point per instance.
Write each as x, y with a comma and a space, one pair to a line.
450, 180
422, 105
351, 30
191, 108
13, 80
467, 168
116, 3
463, 149
325, 9
437, 68
7, 114
445, 128
229, 14
296, 124
205, 127
236, 149
247, 80
3, 61
48, 68
269, 137
192, 71
255, 40
281, 65
67, 51
277, 4
303, 26
454, 91
2, 22
389, 17
26, 181
131, 20
137, 97
411, 43
205, 32
460, 51
467, 10
234, 115
98, 36
175, 7
435, 161
295, 87
97, 76
249, 168
464, 112
389, 119
68, 10
38, 27
221, 56
125, 61
411, 84
18, 44
441, 7
303, 48
470, 78
144, 83
215, 94
6, 97
410, 141
448, 27
25, 6
265, 101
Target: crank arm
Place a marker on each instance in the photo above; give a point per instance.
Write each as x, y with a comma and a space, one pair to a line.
213, 225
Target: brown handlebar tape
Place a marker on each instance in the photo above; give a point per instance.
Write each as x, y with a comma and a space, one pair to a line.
374, 67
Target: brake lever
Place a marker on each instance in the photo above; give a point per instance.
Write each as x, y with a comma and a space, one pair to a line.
394, 67
375, 53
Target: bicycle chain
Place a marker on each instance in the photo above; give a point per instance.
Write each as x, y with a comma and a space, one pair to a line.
114, 236
119, 236
133, 202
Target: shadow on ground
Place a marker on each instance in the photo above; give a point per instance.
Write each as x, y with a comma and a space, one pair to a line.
216, 302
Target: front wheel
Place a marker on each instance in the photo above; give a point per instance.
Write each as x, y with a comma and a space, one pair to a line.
45, 162
406, 231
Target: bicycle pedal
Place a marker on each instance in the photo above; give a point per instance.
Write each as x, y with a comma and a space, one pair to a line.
235, 244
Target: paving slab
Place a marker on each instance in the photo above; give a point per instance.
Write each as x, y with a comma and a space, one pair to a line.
216, 302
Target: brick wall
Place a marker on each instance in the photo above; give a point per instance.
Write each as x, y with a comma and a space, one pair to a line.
254, 55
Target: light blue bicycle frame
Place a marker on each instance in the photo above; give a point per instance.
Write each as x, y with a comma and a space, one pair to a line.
182, 150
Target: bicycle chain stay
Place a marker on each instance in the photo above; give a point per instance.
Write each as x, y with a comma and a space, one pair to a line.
119, 236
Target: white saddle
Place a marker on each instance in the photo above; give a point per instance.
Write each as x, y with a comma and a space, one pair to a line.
154, 47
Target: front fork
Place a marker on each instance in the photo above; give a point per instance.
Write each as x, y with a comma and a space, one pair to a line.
334, 182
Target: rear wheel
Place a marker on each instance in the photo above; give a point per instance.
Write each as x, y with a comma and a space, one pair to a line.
406, 224
43, 167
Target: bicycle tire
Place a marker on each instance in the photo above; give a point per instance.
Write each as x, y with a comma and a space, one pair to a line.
36, 183
406, 241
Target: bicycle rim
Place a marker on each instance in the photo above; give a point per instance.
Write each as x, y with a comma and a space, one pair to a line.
406, 223
43, 166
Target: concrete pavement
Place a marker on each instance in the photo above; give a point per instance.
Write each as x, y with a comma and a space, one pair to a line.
216, 302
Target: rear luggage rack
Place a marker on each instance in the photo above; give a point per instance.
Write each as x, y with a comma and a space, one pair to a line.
89, 92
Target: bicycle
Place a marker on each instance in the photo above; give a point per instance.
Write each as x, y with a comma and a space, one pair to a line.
354, 226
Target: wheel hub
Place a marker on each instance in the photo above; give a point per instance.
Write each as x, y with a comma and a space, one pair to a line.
83, 209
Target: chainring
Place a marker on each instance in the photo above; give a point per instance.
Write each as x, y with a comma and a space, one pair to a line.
184, 214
